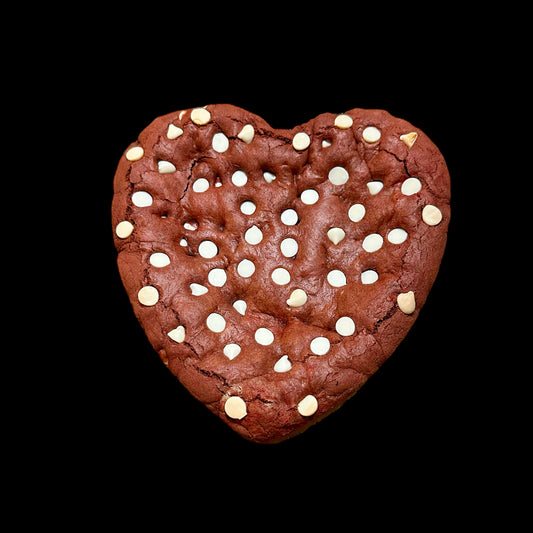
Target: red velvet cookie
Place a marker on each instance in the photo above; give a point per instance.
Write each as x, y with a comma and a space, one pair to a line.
274, 271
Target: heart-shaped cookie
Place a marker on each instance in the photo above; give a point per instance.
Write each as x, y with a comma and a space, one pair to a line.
274, 271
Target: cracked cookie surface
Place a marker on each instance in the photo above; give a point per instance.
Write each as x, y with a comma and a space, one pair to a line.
274, 271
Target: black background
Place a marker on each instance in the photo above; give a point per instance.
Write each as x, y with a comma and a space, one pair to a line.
416, 402
424, 419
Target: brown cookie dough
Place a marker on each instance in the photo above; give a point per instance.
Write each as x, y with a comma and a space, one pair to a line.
274, 271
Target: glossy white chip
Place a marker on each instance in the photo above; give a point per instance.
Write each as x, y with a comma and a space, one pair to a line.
320, 345
235, 408
159, 259
264, 336
231, 350
217, 277
356, 212
141, 199
248, 207
207, 249
200, 185
397, 236
253, 235
345, 326
269, 177
177, 334
289, 247
411, 186
308, 406
216, 323
309, 196
240, 306
124, 229
165, 167
280, 276
239, 178
374, 187
220, 142
283, 364
372, 242
197, 289
246, 268
368, 277
336, 278
173, 132
148, 295
338, 175
289, 217
371, 134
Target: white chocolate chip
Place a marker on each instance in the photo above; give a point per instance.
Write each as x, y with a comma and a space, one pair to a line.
159, 259
235, 407
191, 226
411, 186
320, 345
338, 175
240, 306
197, 289
253, 235
207, 249
343, 122
406, 302
231, 350
165, 167
431, 215
178, 334
326, 143
180, 116
282, 364
308, 406
372, 242
183, 242
336, 278
200, 185
245, 268
239, 178
173, 132
200, 116
409, 138
289, 217
280, 276
269, 177
217, 277
336, 235
345, 326
397, 236
246, 134
301, 141
356, 212
148, 295
371, 134
135, 153
141, 199
297, 298
374, 187
220, 142
248, 207
216, 323
289, 247
264, 337
124, 229
309, 196
368, 277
